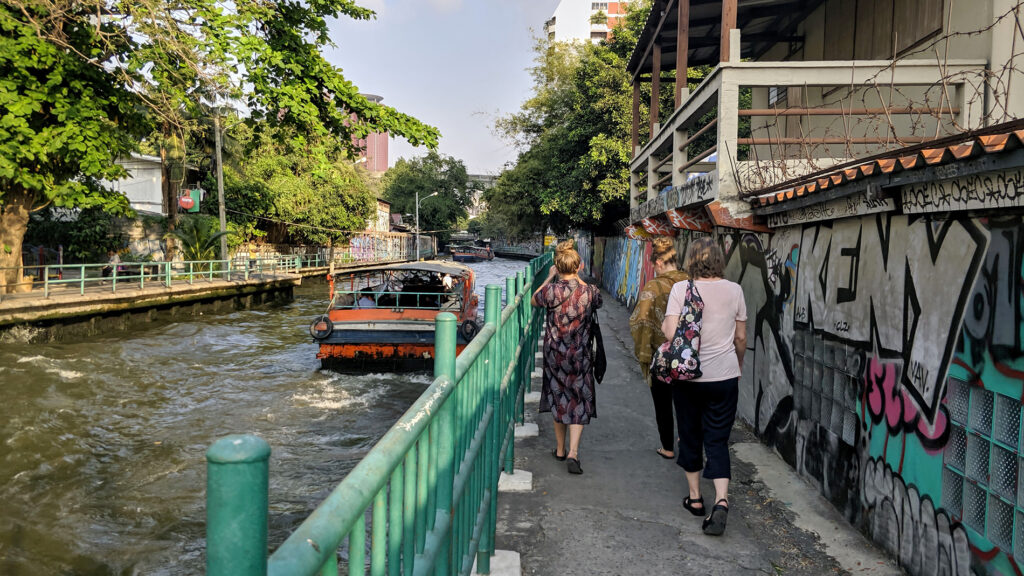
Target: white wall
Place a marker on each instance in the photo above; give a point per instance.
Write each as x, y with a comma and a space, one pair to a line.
142, 186
572, 20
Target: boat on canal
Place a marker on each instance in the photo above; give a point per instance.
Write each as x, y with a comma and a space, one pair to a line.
470, 253
384, 315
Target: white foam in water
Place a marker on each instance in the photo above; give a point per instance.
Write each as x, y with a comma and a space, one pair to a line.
19, 335
32, 359
65, 374
326, 397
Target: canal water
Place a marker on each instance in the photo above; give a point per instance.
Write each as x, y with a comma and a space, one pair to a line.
102, 442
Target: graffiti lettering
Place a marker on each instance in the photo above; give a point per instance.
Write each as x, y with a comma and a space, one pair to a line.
923, 539
887, 294
991, 190
698, 190
858, 204
842, 326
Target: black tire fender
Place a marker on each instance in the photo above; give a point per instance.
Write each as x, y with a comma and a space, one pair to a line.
321, 327
469, 330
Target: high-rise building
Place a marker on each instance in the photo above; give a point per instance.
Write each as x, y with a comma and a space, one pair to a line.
373, 150
584, 20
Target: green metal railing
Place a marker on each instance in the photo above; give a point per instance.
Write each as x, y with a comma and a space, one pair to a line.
140, 274
426, 493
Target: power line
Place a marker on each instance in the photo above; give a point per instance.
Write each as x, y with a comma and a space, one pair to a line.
321, 228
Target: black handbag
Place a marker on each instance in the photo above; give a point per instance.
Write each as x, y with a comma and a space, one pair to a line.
597, 348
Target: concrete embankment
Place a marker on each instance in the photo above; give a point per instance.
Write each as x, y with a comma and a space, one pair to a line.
68, 312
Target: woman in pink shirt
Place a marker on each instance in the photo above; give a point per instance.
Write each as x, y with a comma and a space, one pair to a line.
706, 406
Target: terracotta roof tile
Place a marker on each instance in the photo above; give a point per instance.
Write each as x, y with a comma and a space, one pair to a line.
994, 143
908, 162
961, 151
911, 158
933, 155
887, 165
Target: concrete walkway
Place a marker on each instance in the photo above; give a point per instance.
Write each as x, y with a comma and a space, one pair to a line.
624, 515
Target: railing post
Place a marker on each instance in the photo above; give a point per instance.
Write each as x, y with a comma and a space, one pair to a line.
237, 486
523, 377
444, 367
493, 373
167, 274
508, 356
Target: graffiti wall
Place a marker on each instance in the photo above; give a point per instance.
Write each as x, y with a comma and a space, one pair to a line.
885, 363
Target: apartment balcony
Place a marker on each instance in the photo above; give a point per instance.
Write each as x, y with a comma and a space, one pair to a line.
752, 125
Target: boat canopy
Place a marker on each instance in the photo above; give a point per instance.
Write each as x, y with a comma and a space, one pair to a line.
435, 266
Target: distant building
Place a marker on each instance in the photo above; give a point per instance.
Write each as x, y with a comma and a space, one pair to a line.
584, 20
373, 150
478, 184
142, 186
381, 221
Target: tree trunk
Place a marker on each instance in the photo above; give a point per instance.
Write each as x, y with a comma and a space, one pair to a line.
14, 213
170, 191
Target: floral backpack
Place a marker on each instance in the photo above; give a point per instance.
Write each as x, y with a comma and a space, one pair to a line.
678, 359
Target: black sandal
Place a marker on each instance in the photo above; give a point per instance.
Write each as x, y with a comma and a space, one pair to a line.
574, 466
688, 503
554, 452
714, 525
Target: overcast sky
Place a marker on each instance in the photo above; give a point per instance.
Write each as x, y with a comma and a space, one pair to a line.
454, 64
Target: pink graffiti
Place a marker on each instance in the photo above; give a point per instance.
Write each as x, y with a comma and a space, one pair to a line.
888, 400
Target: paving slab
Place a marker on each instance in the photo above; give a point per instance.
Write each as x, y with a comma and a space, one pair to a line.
624, 515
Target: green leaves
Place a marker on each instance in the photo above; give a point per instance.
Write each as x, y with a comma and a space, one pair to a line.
575, 139
77, 93
428, 174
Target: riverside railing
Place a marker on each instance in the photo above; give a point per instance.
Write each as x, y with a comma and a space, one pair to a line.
426, 493
104, 277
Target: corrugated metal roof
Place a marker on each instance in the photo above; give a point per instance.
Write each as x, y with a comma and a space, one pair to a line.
993, 140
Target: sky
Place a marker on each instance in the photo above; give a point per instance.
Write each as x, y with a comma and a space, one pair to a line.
454, 64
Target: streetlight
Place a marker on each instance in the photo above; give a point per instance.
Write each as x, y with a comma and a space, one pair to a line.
418, 222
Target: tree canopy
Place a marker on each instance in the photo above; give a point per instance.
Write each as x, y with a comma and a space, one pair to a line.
81, 83
434, 172
573, 135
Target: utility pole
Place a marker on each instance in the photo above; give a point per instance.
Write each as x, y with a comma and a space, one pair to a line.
220, 190
418, 222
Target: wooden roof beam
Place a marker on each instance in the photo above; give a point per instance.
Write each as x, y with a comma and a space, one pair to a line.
654, 39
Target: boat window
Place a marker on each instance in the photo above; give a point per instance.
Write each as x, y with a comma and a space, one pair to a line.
408, 289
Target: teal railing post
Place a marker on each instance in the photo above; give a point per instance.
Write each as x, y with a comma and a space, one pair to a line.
529, 347
508, 352
167, 274
493, 373
444, 367
523, 378
237, 476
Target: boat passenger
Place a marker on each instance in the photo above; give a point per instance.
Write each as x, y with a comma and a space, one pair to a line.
366, 299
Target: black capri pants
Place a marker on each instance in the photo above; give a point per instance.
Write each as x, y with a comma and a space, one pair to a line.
706, 412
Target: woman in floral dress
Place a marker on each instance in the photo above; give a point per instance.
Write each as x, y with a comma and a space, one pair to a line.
568, 388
